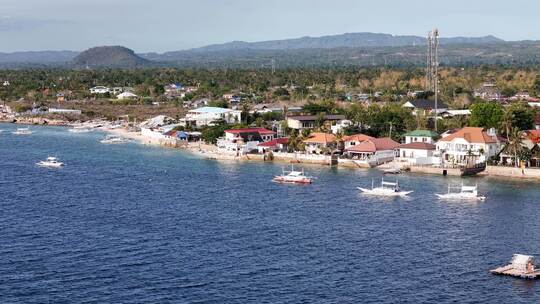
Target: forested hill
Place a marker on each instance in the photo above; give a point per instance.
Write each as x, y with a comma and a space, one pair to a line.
109, 56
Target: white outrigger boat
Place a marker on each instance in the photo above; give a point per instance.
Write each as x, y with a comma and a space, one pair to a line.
22, 131
293, 177
465, 193
50, 162
386, 189
113, 139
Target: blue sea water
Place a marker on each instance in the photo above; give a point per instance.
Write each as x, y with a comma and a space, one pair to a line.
138, 224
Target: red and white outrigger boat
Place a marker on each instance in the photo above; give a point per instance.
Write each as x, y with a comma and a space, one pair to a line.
293, 177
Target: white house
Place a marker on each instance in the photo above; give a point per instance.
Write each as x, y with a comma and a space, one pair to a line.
340, 125
424, 136
310, 121
425, 106
244, 140
418, 153
206, 116
64, 111
99, 90
127, 95
469, 143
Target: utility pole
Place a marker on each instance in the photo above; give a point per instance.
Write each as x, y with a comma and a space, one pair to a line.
390, 135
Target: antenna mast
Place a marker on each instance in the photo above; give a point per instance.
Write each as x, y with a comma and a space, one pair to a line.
432, 75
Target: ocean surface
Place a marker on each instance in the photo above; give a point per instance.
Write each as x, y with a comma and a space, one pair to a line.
139, 224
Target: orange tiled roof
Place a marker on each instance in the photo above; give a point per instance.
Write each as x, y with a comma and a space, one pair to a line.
533, 135
320, 138
472, 135
357, 137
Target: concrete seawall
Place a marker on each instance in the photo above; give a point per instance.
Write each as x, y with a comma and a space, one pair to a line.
437, 171
513, 172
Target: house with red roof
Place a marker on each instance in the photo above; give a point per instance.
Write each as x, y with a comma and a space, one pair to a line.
355, 139
530, 141
244, 140
275, 145
375, 151
469, 143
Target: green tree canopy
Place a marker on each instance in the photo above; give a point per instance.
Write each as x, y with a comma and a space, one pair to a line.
486, 114
521, 115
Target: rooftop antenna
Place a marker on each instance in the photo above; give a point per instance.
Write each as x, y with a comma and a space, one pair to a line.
432, 75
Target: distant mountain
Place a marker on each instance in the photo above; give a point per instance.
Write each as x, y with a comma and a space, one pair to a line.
43, 57
109, 56
352, 49
352, 40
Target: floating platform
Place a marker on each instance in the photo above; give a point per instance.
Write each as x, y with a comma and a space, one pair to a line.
509, 270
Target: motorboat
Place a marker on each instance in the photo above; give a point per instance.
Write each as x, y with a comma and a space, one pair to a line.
293, 177
50, 162
80, 130
462, 193
22, 131
113, 139
385, 189
392, 171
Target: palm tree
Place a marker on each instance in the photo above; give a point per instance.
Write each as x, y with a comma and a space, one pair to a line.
506, 123
339, 141
515, 144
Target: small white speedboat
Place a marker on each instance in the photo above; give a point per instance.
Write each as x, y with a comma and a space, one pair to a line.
22, 131
50, 162
113, 139
463, 193
386, 189
80, 130
293, 177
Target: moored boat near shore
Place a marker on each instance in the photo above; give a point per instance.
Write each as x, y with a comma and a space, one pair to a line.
293, 177
465, 193
386, 189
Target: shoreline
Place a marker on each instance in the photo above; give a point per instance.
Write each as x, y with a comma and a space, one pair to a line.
210, 152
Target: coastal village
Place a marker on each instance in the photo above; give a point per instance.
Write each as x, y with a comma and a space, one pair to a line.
295, 134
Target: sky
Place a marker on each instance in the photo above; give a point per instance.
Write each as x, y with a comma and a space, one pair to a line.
169, 25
